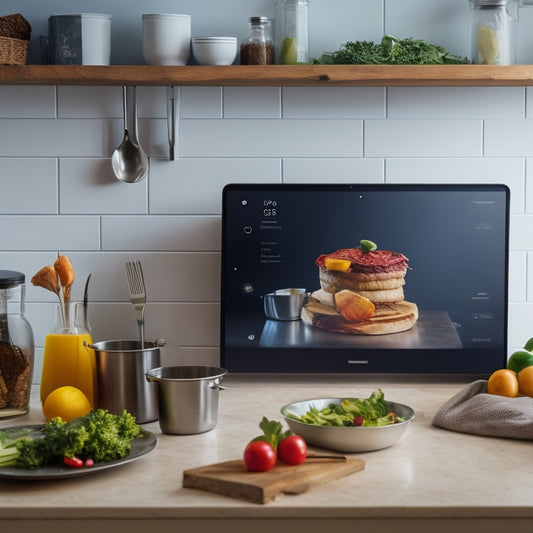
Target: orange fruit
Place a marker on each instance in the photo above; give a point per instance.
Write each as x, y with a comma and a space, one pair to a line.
342, 265
503, 382
525, 381
66, 403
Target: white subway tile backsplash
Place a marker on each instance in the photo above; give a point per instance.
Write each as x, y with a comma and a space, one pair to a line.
187, 324
194, 355
201, 102
529, 186
508, 138
333, 102
521, 232
517, 276
252, 102
189, 276
443, 23
89, 102
423, 138
508, 171
333, 170
27, 101
161, 233
520, 320
41, 233
456, 102
348, 20
271, 138
530, 277
58, 138
89, 186
28, 186
203, 179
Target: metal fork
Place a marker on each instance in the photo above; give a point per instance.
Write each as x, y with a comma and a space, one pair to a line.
135, 277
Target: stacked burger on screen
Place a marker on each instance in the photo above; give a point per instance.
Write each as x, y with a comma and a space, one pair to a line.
361, 292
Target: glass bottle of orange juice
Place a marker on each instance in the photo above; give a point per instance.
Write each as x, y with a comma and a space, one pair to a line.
67, 358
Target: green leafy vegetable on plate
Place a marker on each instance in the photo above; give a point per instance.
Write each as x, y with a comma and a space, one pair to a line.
99, 436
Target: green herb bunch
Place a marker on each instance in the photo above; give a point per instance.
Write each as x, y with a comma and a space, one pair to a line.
391, 51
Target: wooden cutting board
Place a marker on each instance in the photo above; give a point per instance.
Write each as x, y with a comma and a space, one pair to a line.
232, 479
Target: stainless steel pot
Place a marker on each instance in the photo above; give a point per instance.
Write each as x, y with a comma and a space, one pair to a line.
187, 397
120, 369
285, 304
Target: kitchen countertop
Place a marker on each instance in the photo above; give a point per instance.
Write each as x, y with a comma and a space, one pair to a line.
432, 478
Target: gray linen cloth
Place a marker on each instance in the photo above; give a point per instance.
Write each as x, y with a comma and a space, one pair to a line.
472, 410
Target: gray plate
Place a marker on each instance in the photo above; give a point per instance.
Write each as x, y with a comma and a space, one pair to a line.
139, 447
347, 439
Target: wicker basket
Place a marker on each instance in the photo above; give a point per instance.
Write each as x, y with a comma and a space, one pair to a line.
13, 51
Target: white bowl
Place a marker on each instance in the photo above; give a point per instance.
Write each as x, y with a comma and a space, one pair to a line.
214, 50
346, 439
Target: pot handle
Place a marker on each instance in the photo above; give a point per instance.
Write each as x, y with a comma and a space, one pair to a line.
215, 385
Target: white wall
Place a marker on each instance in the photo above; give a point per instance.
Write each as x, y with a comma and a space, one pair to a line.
58, 192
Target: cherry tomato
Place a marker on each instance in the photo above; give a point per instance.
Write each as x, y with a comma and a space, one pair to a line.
292, 450
76, 462
259, 456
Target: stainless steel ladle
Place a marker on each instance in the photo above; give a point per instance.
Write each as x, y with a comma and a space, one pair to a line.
129, 161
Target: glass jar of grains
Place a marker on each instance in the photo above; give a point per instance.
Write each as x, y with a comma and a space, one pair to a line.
16, 346
258, 48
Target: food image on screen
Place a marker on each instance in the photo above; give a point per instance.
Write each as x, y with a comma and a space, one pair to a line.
376, 278
361, 293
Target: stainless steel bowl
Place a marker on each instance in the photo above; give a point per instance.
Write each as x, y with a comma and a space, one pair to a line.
346, 439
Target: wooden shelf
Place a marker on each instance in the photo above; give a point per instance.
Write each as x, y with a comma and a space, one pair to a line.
271, 75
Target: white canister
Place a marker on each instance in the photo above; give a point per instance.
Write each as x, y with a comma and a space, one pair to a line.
79, 39
166, 39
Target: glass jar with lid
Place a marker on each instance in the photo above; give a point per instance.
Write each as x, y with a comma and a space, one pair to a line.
258, 47
16, 346
292, 36
493, 32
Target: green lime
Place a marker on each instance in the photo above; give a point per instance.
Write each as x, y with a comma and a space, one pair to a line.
519, 360
529, 345
368, 246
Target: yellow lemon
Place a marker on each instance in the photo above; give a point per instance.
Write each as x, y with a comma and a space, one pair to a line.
66, 402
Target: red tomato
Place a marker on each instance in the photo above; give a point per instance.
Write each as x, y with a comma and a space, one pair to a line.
292, 450
259, 456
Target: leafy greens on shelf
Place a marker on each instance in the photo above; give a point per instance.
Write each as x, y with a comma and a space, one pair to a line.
391, 51
349, 412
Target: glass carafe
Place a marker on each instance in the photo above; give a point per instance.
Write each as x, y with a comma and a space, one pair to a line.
16, 346
67, 359
292, 35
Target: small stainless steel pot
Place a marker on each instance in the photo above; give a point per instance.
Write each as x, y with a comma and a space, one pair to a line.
120, 369
285, 304
187, 397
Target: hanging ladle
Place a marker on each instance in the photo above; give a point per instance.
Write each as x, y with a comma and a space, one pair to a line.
130, 163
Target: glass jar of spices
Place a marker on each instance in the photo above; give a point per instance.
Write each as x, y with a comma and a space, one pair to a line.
258, 47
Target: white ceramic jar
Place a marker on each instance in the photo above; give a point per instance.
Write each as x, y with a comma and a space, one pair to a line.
166, 39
